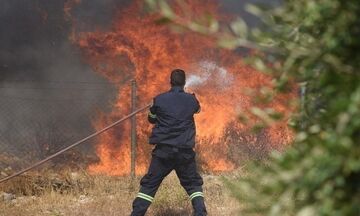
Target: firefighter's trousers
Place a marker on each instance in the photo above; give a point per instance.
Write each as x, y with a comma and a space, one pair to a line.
164, 160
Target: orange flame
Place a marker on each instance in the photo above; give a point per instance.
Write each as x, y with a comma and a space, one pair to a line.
138, 48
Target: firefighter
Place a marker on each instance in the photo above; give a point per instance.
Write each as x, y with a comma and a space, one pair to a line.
173, 135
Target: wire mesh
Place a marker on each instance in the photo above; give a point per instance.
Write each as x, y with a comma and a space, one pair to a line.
37, 121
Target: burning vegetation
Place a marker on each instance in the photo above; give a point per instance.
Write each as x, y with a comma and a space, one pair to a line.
138, 47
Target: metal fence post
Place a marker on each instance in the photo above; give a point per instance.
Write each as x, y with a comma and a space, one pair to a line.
133, 129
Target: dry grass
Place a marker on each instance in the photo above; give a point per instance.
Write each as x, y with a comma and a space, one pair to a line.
80, 194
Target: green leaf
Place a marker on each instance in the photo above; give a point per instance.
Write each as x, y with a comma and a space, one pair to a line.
239, 27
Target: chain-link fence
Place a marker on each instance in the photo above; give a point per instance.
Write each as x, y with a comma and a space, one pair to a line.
37, 120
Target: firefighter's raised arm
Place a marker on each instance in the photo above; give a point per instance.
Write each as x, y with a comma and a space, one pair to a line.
152, 113
197, 106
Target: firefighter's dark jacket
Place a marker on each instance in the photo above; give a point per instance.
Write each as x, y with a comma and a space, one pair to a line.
173, 115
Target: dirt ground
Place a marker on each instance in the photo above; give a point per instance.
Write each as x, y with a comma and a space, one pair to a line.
77, 193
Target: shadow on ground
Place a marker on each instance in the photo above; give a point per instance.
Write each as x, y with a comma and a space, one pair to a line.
172, 212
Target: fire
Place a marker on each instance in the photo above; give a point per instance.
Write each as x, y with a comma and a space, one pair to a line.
136, 47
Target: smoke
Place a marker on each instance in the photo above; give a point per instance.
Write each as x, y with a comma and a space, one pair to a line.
45, 86
239, 8
34, 35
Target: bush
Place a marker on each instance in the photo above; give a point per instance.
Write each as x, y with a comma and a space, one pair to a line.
320, 173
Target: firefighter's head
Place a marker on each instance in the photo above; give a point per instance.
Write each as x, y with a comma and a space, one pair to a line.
178, 78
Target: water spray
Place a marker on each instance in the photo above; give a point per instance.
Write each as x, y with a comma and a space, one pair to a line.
209, 71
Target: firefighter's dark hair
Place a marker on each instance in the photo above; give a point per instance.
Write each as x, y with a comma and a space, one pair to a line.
177, 77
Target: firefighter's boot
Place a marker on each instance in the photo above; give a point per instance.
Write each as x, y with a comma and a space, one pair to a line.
199, 206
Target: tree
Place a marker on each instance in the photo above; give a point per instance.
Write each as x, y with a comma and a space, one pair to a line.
316, 43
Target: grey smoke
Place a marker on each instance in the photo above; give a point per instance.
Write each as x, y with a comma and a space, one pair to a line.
238, 7
46, 89
45, 86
